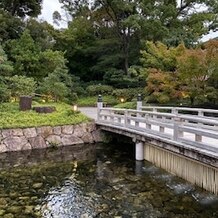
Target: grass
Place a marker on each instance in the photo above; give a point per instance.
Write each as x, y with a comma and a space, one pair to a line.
11, 117
91, 101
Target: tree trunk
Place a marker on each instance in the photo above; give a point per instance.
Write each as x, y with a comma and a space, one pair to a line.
126, 41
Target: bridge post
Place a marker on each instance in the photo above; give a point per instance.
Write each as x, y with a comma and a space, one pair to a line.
99, 106
139, 150
176, 132
139, 102
138, 167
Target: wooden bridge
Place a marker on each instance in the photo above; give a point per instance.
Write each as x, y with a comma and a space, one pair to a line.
183, 141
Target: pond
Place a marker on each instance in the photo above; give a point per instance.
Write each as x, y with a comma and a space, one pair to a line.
106, 182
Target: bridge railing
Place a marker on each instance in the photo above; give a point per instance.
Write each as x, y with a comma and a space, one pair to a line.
194, 130
183, 110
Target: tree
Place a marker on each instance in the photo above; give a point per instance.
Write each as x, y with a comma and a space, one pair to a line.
163, 87
198, 68
55, 85
22, 8
25, 54
160, 63
76, 42
10, 27
118, 27
5, 66
21, 85
193, 72
160, 56
5, 70
42, 33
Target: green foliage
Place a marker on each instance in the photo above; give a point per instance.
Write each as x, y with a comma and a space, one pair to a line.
4, 92
25, 54
50, 61
42, 33
10, 27
91, 101
21, 85
22, 8
159, 56
5, 66
196, 66
127, 105
127, 94
94, 90
75, 41
54, 85
118, 79
11, 117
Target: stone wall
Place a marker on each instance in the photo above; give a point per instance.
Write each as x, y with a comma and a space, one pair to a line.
47, 136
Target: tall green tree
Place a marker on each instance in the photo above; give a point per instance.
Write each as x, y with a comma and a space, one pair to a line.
25, 55
41, 32
10, 27
120, 27
22, 8
5, 70
5, 66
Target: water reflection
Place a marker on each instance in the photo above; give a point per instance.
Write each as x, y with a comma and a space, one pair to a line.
53, 184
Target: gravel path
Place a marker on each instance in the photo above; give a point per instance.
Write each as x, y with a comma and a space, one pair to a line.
89, 112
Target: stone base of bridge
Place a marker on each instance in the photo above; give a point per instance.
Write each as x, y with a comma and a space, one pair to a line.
195, 172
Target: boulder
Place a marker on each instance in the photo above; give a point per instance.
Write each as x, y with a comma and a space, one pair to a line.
71, 140
67, 130
37, 142
30, 132
44, 109
15, 143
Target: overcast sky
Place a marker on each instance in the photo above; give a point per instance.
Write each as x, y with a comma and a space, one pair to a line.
49, 6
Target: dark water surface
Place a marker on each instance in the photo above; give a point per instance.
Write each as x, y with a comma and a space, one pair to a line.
106, 183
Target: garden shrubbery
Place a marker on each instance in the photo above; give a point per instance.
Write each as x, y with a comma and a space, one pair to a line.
94, 90
127, 94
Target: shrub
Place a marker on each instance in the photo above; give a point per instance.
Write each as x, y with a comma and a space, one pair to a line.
4, 92
127, 105
91, 101
94, 90
56, 85
127, 94
21, 85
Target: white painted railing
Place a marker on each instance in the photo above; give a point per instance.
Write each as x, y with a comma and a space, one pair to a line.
197, 130
183, 110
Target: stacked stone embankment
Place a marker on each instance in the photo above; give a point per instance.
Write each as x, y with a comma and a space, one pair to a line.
47, 136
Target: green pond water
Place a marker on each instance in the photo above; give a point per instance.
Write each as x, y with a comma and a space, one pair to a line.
106, 182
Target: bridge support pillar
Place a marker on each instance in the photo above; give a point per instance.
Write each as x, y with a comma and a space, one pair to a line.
139, 151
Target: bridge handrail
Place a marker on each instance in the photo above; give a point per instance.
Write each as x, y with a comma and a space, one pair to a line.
200, 111
179, 124
203, 120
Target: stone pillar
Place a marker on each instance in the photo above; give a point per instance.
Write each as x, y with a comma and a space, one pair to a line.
99, 106
99, 102
139, 102
25, 103
139, 167
139, 151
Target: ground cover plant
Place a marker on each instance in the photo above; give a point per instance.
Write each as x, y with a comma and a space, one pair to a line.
11, 117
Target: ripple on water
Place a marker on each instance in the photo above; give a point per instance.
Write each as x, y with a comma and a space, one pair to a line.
68, 200
106, 187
